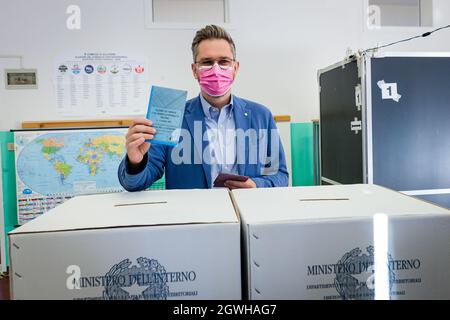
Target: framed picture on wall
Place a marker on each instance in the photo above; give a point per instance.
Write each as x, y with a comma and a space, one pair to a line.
20, 79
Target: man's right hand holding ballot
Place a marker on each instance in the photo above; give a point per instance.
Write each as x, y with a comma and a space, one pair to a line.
136, 140
209, 137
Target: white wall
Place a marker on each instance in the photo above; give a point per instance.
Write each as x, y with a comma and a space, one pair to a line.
281, 45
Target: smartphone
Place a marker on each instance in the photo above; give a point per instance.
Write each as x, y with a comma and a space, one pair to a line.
222, 177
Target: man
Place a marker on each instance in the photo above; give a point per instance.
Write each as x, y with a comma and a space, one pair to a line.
221, 133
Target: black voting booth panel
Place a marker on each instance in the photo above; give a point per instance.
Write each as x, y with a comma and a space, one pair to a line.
403, 139
340, 147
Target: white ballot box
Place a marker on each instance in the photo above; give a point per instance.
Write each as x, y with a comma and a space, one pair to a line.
343, 242
174, 244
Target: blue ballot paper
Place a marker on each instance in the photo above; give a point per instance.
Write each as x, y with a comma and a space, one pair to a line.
166, 111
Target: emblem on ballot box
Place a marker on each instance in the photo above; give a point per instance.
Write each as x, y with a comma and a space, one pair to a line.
148, 280
137, 282
355, 278
354, 275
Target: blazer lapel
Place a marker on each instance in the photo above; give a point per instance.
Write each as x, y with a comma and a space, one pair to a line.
242, 116
195, 117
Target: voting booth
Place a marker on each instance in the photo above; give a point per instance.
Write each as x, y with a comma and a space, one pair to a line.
343, 242
177, 244
384, 120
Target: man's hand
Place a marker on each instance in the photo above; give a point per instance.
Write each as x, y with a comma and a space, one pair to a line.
140, 130
239, 184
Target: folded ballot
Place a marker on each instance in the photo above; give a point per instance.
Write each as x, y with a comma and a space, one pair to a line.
166, 111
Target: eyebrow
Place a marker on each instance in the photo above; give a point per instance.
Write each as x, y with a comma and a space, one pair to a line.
220, 58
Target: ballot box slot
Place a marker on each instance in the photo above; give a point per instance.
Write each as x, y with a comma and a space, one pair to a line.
334, 199
139, 204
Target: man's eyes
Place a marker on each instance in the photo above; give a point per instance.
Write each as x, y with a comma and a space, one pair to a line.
224, 62
211, 62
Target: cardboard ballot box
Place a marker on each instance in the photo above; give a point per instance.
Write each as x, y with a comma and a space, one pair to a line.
343, 242
175, 244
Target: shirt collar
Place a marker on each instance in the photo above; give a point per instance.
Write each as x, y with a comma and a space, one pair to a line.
206, 106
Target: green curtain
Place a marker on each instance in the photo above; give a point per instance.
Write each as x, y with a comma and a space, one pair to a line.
304, 155
9, 184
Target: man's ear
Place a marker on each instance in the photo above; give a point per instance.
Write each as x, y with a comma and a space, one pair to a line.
236, 68
194, 71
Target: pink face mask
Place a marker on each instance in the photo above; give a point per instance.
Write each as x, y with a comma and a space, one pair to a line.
216, 81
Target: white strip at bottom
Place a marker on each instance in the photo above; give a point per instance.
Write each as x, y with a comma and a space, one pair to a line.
426, 192
330, 181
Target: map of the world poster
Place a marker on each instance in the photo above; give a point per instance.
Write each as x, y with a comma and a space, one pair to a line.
53, 166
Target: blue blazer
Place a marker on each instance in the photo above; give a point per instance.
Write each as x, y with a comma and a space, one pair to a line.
247, 115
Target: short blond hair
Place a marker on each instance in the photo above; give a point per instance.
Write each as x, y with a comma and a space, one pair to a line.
211, 32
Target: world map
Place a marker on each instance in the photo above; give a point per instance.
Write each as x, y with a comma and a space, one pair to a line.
52, 166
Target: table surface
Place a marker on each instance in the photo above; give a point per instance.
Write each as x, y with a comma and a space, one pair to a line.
4, 287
